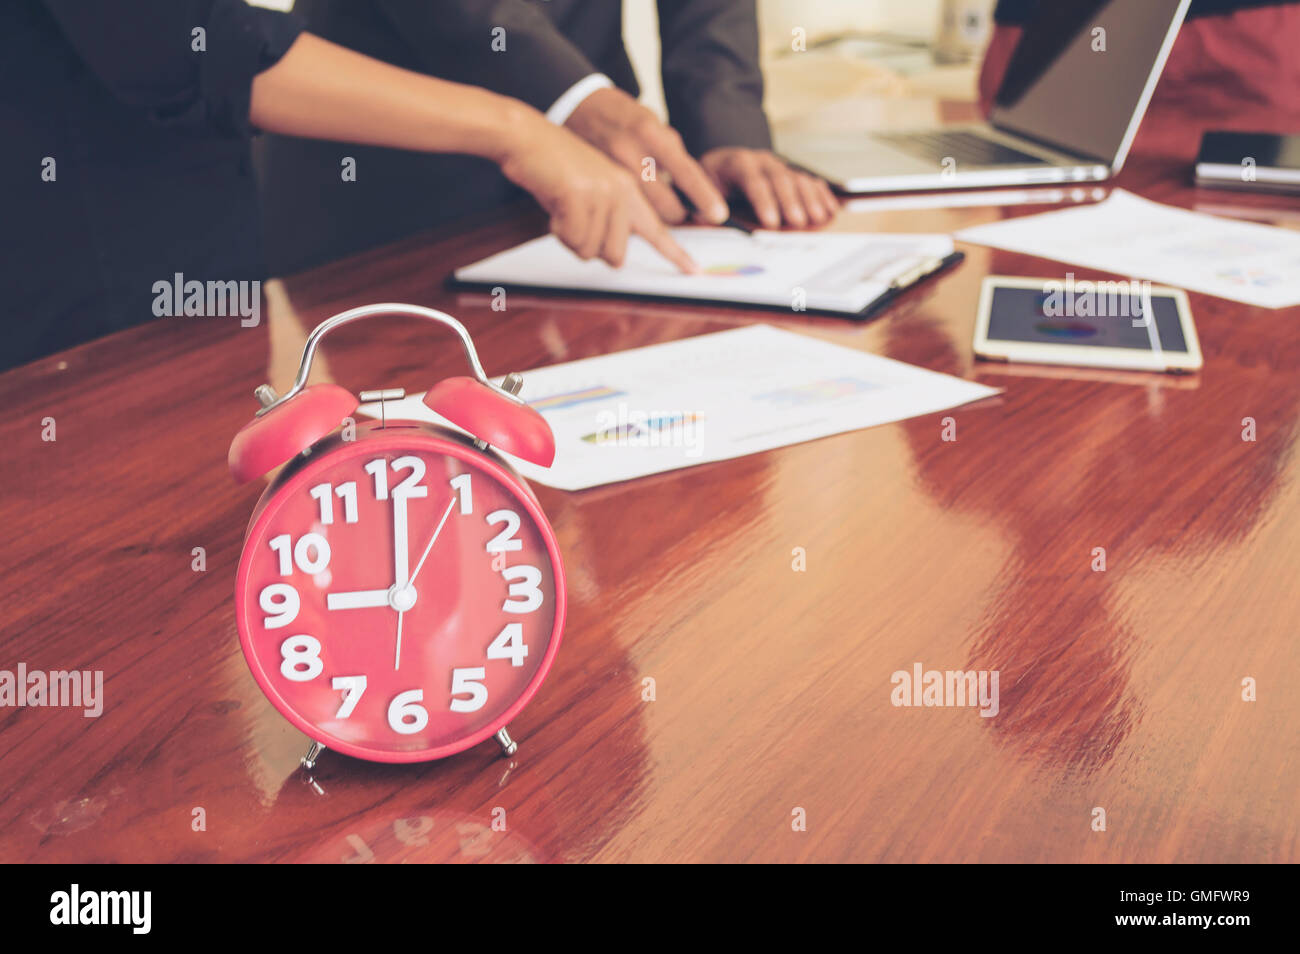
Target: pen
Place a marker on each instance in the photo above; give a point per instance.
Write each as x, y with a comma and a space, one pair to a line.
691, 210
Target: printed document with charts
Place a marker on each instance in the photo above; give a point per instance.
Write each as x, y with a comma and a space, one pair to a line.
843, 272
1126, 234
708, 398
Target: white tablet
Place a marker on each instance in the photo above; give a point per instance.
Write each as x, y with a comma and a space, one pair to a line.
1094, 324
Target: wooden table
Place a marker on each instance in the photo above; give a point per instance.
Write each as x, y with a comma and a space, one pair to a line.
1120, 689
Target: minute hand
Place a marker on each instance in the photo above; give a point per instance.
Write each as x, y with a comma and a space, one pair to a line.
433, 539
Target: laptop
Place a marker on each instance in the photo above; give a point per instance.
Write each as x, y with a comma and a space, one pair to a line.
1067, 110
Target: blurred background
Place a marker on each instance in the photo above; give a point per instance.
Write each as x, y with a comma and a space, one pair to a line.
839, 63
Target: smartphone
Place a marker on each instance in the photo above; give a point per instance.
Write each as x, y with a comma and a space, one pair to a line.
1132, 326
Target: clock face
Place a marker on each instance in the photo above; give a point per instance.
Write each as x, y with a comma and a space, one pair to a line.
400, 597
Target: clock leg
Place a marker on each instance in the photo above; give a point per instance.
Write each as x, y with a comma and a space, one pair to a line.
313, 753
508, 745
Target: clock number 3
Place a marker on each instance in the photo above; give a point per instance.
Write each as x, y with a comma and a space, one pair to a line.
525, 588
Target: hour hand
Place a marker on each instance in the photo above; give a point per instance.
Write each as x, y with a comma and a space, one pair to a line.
357, 599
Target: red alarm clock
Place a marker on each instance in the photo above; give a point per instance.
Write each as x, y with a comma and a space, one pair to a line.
400, 596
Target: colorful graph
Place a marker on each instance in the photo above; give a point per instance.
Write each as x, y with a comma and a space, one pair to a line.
733, 269
555, 402
1257, 277
654, 427
1065, 329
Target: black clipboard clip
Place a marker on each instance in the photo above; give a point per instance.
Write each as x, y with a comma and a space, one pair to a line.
913, 276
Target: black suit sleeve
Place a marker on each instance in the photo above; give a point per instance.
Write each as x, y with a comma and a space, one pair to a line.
537, 65
146, 57
712, 82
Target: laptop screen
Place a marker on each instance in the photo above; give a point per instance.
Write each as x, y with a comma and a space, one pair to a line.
1081, 70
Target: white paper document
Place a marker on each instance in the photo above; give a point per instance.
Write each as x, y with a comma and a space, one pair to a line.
1242, 261
710, 398
822, 271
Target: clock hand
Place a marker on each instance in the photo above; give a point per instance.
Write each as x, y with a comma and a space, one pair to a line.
433, 539
397, 660
401, 545
358, 599
406, 592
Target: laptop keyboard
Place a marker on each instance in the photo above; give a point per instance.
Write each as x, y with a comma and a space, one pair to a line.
967, 148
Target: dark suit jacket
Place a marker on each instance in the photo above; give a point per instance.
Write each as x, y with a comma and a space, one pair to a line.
712, 86
148, 148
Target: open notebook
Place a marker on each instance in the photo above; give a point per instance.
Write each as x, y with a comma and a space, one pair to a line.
848, 273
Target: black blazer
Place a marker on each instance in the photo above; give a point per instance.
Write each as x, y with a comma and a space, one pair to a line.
712, 86
124, 159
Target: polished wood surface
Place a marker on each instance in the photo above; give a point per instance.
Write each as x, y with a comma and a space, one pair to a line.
1120, 689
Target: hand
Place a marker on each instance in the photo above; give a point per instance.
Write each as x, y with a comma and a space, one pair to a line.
777, 193
628, 133
594, 205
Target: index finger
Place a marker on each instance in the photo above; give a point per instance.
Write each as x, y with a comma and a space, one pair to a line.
647, 225
695, 182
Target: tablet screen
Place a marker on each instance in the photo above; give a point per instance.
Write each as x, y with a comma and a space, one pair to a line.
1034, 315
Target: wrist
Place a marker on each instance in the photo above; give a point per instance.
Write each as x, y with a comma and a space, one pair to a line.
514, 125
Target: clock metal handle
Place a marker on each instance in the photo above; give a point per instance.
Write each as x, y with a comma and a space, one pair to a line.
267, 396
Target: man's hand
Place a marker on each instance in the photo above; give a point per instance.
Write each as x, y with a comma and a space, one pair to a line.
628, 133
777, 193
593, 203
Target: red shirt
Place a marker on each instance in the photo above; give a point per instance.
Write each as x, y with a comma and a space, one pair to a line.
1233, 71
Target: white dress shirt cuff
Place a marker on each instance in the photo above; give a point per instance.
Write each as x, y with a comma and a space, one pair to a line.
572, 97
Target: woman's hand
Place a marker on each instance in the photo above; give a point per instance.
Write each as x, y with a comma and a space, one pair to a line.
324, 91
594, 203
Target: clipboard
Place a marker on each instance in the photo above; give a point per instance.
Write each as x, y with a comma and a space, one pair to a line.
915, 273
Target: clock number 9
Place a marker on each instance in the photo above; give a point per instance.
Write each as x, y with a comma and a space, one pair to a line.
280, 601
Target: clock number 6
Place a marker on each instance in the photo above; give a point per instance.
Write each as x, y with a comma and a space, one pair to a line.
406, 706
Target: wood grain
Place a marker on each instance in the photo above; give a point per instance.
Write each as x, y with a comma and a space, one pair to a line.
1119, 689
